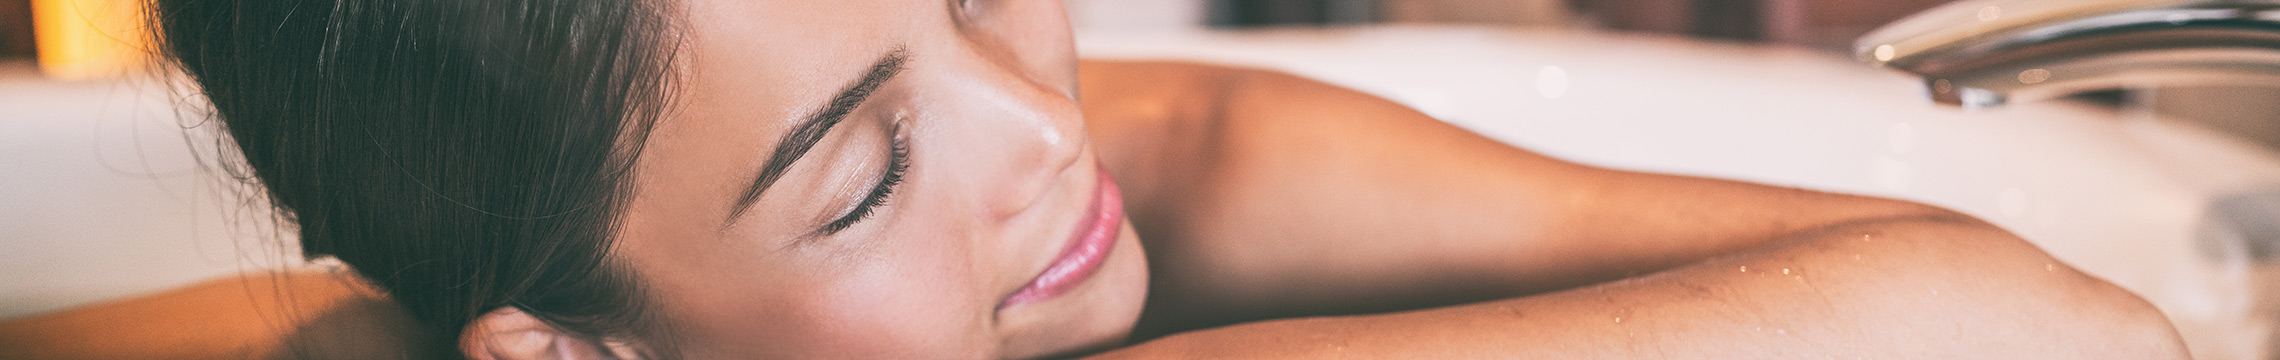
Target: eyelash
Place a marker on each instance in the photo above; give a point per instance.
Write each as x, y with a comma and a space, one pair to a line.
898, 162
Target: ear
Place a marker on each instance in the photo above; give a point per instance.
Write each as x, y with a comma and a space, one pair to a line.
510, 334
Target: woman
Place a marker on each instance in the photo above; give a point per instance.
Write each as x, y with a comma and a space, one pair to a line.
917, 179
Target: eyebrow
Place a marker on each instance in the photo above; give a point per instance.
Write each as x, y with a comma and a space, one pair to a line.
796, 143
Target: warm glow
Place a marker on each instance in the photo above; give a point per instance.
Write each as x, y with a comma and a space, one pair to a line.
81, 39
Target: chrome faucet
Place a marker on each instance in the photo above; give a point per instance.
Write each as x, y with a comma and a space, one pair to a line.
1983, 53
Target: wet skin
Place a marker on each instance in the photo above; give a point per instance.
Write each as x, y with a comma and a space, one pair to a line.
1258, 196
1266, 216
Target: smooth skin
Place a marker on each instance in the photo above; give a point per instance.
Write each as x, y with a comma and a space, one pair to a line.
1270, 216
1321, 200
1723, 269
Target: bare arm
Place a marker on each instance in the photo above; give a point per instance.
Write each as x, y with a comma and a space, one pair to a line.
1285, 197
302, 315
1922, 288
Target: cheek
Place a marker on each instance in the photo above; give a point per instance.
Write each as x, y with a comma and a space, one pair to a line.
919, 300
900, 296
897, 315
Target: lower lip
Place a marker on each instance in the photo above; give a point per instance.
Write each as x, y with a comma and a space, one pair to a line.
1087, 249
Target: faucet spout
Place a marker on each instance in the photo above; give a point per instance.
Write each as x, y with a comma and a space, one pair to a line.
1984, 53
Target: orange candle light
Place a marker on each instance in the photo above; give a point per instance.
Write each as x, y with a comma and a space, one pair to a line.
83, 39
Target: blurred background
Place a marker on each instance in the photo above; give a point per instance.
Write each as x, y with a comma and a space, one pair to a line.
1819, 23
2169, 191
1824, 23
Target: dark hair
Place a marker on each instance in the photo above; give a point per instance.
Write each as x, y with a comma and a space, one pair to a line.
464, 155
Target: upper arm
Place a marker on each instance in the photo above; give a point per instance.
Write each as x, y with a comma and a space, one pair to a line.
1296, 198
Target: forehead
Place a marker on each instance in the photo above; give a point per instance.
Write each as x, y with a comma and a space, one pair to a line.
761, 59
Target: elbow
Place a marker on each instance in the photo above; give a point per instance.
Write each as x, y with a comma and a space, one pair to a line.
1992, 284
2140, 328
2103, 320
2090, 316
2085, 316
2106, 321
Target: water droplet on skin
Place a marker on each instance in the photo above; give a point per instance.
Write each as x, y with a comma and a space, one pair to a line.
1781, 331
2034, 76
2050, 267
1618, 320
1884, 52
1785, 271
1990, 13
1745, 269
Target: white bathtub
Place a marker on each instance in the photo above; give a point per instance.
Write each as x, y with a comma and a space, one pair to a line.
102, 200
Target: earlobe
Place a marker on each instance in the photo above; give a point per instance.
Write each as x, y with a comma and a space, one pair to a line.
510, 334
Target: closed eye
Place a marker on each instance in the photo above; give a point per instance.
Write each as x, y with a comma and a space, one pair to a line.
898, 161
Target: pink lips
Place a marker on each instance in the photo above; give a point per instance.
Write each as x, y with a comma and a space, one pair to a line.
1087, 249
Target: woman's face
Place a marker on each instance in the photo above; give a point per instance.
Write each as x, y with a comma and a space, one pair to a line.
954, 209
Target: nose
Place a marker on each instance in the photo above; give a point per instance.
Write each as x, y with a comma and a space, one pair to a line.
1018, 137
1014, 64
1044, 140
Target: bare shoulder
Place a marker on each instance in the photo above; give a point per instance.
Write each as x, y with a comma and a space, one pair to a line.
1251, 186
1148, 119
1168, 129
